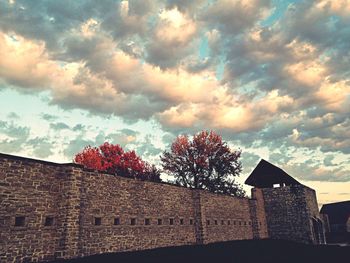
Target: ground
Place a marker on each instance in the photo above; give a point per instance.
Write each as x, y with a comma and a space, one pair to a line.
259, 251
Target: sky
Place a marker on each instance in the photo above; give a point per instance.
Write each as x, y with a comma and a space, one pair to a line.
272, 77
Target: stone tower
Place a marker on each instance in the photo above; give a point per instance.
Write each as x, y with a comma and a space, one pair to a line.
291, 208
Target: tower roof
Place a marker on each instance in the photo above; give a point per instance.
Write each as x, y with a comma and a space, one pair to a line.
266, 175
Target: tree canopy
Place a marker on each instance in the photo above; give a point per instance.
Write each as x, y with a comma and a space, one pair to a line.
205, 162
113, 159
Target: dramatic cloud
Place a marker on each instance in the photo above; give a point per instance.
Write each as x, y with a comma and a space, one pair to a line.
272, 76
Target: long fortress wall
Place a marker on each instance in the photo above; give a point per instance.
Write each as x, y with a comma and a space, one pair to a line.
50, 211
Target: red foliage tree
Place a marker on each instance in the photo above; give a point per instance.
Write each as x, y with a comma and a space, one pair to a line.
205, 162
113, 159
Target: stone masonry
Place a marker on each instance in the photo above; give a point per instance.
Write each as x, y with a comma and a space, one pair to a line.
290, 212
58, 211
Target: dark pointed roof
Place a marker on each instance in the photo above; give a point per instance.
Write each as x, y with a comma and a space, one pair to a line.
265, 175
338, 213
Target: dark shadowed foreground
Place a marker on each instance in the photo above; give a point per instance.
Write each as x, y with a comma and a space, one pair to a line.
258, 251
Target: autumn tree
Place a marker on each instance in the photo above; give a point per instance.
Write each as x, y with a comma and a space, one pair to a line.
205, 162
113, 159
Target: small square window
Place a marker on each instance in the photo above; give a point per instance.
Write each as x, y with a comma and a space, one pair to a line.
245, 223
147, 221
171, 221
133, 221
222, 222
208, 222
215, 222
234, 222
239, 222
181, 221
260, 223
160, 221
49, 221
19, 221
98, 221
191, 221
228, 222
116, 221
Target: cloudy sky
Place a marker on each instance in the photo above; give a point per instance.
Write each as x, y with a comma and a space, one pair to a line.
273, 77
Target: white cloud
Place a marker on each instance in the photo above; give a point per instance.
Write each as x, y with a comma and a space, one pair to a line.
341, 7
24, 63
311, 74
175, 28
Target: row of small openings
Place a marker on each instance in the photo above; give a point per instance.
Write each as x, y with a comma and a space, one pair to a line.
147, 221
235, 222
21, 221
49, 221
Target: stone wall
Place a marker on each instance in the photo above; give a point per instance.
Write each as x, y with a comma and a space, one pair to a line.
71, 212
225, 218
311, 202
134, 215
32, 192
258, 214
289, 212
318, 230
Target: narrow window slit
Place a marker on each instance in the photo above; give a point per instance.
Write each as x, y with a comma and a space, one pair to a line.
49, 221
98, 221
19, 221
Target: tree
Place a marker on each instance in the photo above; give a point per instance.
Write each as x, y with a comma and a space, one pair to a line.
205, 162
113, 159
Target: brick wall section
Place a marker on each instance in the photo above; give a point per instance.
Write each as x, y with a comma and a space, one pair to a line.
126, 211
228, 217
199, 224
253, 217
109, 198
70, 211
312, 208
311, 202
288, 212
258, 216
34, 190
